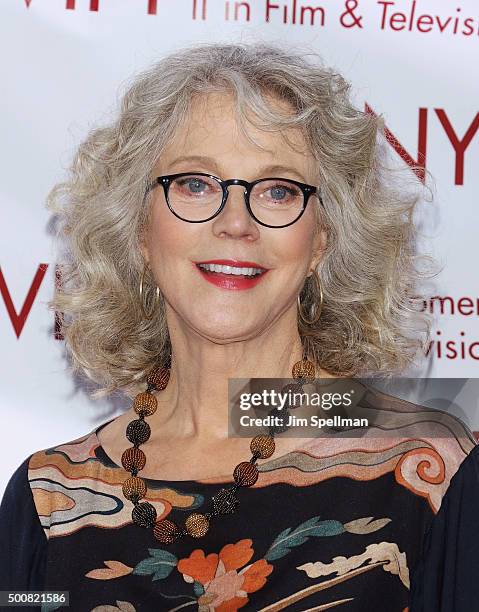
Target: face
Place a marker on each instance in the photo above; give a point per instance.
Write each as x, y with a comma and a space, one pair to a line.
218, 306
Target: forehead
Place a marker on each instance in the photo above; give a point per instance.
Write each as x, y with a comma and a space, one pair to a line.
212, 128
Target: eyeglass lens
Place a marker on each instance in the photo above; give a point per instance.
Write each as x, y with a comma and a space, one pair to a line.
274, 202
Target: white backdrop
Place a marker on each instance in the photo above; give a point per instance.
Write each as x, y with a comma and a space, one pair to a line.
64, 65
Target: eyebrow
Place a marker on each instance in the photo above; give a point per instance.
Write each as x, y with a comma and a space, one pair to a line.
211, 162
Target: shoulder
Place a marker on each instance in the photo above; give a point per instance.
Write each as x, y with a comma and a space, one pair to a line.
24, 545
429, 444
43, 489
75, 485
63, 478
17, 490
17, 496
421, 448
461, 500
450, 553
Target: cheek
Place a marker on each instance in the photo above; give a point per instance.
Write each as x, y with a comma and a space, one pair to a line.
167, 234
297, 245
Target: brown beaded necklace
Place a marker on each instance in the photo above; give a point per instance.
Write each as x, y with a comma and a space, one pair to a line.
225, 501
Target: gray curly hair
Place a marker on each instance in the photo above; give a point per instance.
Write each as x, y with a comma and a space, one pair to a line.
369, 272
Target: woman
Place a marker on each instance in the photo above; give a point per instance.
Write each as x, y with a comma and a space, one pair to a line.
236, 221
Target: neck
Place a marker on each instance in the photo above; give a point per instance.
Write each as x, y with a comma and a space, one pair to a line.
194, 405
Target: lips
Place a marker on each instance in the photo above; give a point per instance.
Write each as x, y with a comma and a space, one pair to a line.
231, 281
233, 263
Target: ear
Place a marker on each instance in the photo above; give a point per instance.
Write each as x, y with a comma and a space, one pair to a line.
319, 246
143, 247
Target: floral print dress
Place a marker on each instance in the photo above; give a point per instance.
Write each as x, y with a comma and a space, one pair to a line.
339, 523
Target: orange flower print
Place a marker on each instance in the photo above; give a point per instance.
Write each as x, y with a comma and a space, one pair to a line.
224, 588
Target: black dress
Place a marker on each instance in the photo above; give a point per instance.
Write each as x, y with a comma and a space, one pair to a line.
447, 576
338, 523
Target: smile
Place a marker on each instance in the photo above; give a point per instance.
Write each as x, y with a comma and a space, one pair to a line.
242, 275
231, 270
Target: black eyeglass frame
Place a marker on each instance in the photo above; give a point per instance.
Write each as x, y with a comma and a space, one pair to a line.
166, 180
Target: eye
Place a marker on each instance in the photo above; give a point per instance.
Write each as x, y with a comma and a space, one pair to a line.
195, 188
277, 192
281, 192
192, 184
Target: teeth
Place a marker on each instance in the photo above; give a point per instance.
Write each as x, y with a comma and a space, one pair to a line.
231, 270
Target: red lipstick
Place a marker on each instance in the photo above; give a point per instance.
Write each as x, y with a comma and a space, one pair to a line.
231, 281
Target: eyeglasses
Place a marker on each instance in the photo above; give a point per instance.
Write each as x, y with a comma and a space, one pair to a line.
197, 197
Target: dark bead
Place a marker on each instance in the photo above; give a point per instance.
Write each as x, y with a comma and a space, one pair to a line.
166, 531
145, 404
159, 377
304, 370
197, 525
144, 514
293, 388
283, 419
134, 488
262, 446
225, 502
138, 431
245, 474
133, 459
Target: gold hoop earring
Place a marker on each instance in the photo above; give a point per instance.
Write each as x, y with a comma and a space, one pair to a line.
316, 309
147, 315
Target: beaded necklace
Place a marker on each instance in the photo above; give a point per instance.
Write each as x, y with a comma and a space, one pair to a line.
225, 501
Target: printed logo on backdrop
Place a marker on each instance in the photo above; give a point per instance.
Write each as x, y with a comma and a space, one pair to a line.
388, 15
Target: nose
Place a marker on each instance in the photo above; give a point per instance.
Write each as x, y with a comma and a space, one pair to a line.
234, 220
236, 198
236, 193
